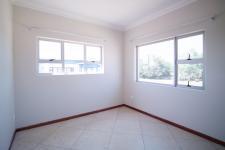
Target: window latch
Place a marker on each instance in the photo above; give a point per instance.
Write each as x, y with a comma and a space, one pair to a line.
188, 85
189, 57
51, 59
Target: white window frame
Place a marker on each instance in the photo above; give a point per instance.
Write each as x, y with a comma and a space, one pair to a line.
137, 61
177, 61
63, 61
191, 61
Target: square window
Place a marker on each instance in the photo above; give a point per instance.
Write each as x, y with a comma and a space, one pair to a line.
156, 62
49, 50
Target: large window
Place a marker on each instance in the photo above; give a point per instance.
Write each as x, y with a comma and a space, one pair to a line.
177, 61
57, 57
156, 62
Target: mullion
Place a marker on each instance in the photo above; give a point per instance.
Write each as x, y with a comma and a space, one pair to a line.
176, 62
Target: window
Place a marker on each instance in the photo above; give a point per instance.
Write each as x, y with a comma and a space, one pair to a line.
177, 61
58, 57
190, 60
156, 62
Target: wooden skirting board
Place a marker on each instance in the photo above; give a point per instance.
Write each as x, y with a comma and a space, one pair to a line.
207, 137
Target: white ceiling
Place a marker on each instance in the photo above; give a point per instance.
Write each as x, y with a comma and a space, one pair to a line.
118, 14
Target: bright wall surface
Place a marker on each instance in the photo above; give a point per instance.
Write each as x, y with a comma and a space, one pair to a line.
7, 116
42, 98
201, 110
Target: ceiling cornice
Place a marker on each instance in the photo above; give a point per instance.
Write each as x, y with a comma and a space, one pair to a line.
67, 14
71, 15
160, 13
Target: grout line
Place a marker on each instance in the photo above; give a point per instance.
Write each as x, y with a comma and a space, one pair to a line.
202, 135
196, 133
115, 121
142, 136
173, 137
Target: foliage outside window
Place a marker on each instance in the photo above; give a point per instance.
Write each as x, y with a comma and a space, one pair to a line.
156, 62
177, 61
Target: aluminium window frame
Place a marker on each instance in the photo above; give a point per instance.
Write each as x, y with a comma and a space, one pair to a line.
63, 61
137, 62
176, 60
192, 61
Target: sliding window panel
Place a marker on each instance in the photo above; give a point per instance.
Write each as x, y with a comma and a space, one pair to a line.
156, 62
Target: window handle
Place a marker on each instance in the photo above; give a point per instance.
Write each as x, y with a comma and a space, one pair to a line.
189, 57
51, 59
188, 85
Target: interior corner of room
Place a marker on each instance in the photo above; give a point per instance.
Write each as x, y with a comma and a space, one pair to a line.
112, 62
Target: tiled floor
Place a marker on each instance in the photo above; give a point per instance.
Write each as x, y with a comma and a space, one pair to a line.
117, 129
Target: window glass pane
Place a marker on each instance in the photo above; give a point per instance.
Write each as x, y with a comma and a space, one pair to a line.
74, 68
192, 73
192, 45
93, 68
49, 50
93, 53
156, 62
54, 68
73, 51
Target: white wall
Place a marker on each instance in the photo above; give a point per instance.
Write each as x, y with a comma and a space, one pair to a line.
196, 109
7, 116
44, 98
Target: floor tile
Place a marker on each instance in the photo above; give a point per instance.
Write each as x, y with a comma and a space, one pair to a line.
101, 125
187, 144
127, 126
126, 142
116, 129
127, 114
92, 140
45, 147
160, 143
155, 130
36, 134
63, 137
219, 147
22, 145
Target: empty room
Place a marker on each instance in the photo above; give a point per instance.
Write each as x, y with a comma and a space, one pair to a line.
112, 75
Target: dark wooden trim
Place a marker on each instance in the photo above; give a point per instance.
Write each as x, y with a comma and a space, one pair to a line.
12, 139
207, 137
66, 118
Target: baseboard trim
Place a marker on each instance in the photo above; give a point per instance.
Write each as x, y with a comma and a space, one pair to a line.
66, 118
207, 137
12, 139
